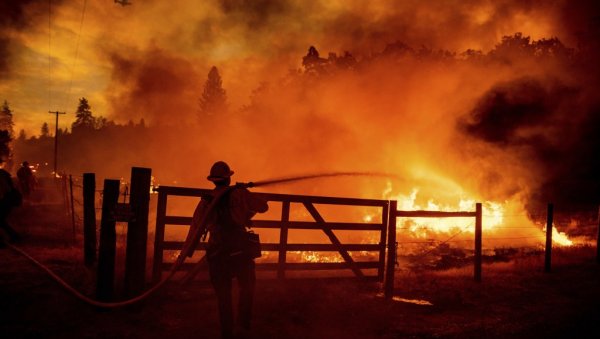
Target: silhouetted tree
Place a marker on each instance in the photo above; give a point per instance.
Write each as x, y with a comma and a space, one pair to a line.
513, 47
551, 48
312, 62
5, 140
347, 61
6, 119
397, 49
214, 98
84, 118
62, 132
517, 46
472, 55
101, 122
45, 130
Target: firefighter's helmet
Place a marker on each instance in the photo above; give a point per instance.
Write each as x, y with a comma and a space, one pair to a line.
219, 171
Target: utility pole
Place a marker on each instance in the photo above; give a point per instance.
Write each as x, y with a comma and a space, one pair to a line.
56, 140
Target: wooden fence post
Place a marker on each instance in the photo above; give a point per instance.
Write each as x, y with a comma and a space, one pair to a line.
72, 207
598, 239
478, 236
137, 231
108, 237
89, 218
159, 236
382, 237
391, 258
65, 191
283, 238
549, 222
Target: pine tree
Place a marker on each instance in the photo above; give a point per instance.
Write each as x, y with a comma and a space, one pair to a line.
214, 99
45, 130
6, 119
312, 62
84, 117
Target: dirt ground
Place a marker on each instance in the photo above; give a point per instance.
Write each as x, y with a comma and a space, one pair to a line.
516, 299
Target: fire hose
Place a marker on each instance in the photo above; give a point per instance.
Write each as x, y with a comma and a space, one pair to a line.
189, 245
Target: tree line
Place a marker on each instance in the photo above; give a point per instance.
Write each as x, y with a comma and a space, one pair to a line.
212, 102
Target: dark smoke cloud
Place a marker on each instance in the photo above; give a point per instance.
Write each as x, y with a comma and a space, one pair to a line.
16, 17
13, 13
508, 108
549, 125
154, 85
434, 24
255, 14
12, 18
4, 53
580, 22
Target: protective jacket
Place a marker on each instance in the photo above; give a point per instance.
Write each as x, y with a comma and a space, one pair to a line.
226, 220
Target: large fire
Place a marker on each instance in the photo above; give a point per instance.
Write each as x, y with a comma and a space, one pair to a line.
505, 223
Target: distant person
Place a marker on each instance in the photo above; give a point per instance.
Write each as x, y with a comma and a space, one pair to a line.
26, 180
9, 197
226, 254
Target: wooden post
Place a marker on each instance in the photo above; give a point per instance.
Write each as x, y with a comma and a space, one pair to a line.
549, 222
383, 234
65, 191
598, 239
72, 207
108, 237
159, 235
478, 236
137, 231
391, 258
89, 218
283, 238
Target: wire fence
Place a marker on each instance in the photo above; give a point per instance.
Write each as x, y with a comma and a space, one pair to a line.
410, 234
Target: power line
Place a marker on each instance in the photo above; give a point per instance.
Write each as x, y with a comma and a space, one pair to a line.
74, 65
49, 53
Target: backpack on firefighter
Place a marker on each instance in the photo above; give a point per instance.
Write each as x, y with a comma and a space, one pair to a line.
228, 233
211, 215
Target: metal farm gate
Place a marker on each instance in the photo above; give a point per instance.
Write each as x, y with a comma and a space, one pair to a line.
284, 224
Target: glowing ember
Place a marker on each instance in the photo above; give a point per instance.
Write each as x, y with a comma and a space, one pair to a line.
409, 301
413, 301
311, 256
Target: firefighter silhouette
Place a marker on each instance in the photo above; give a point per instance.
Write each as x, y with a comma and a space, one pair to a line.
10, 197
226, 253
26, 179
